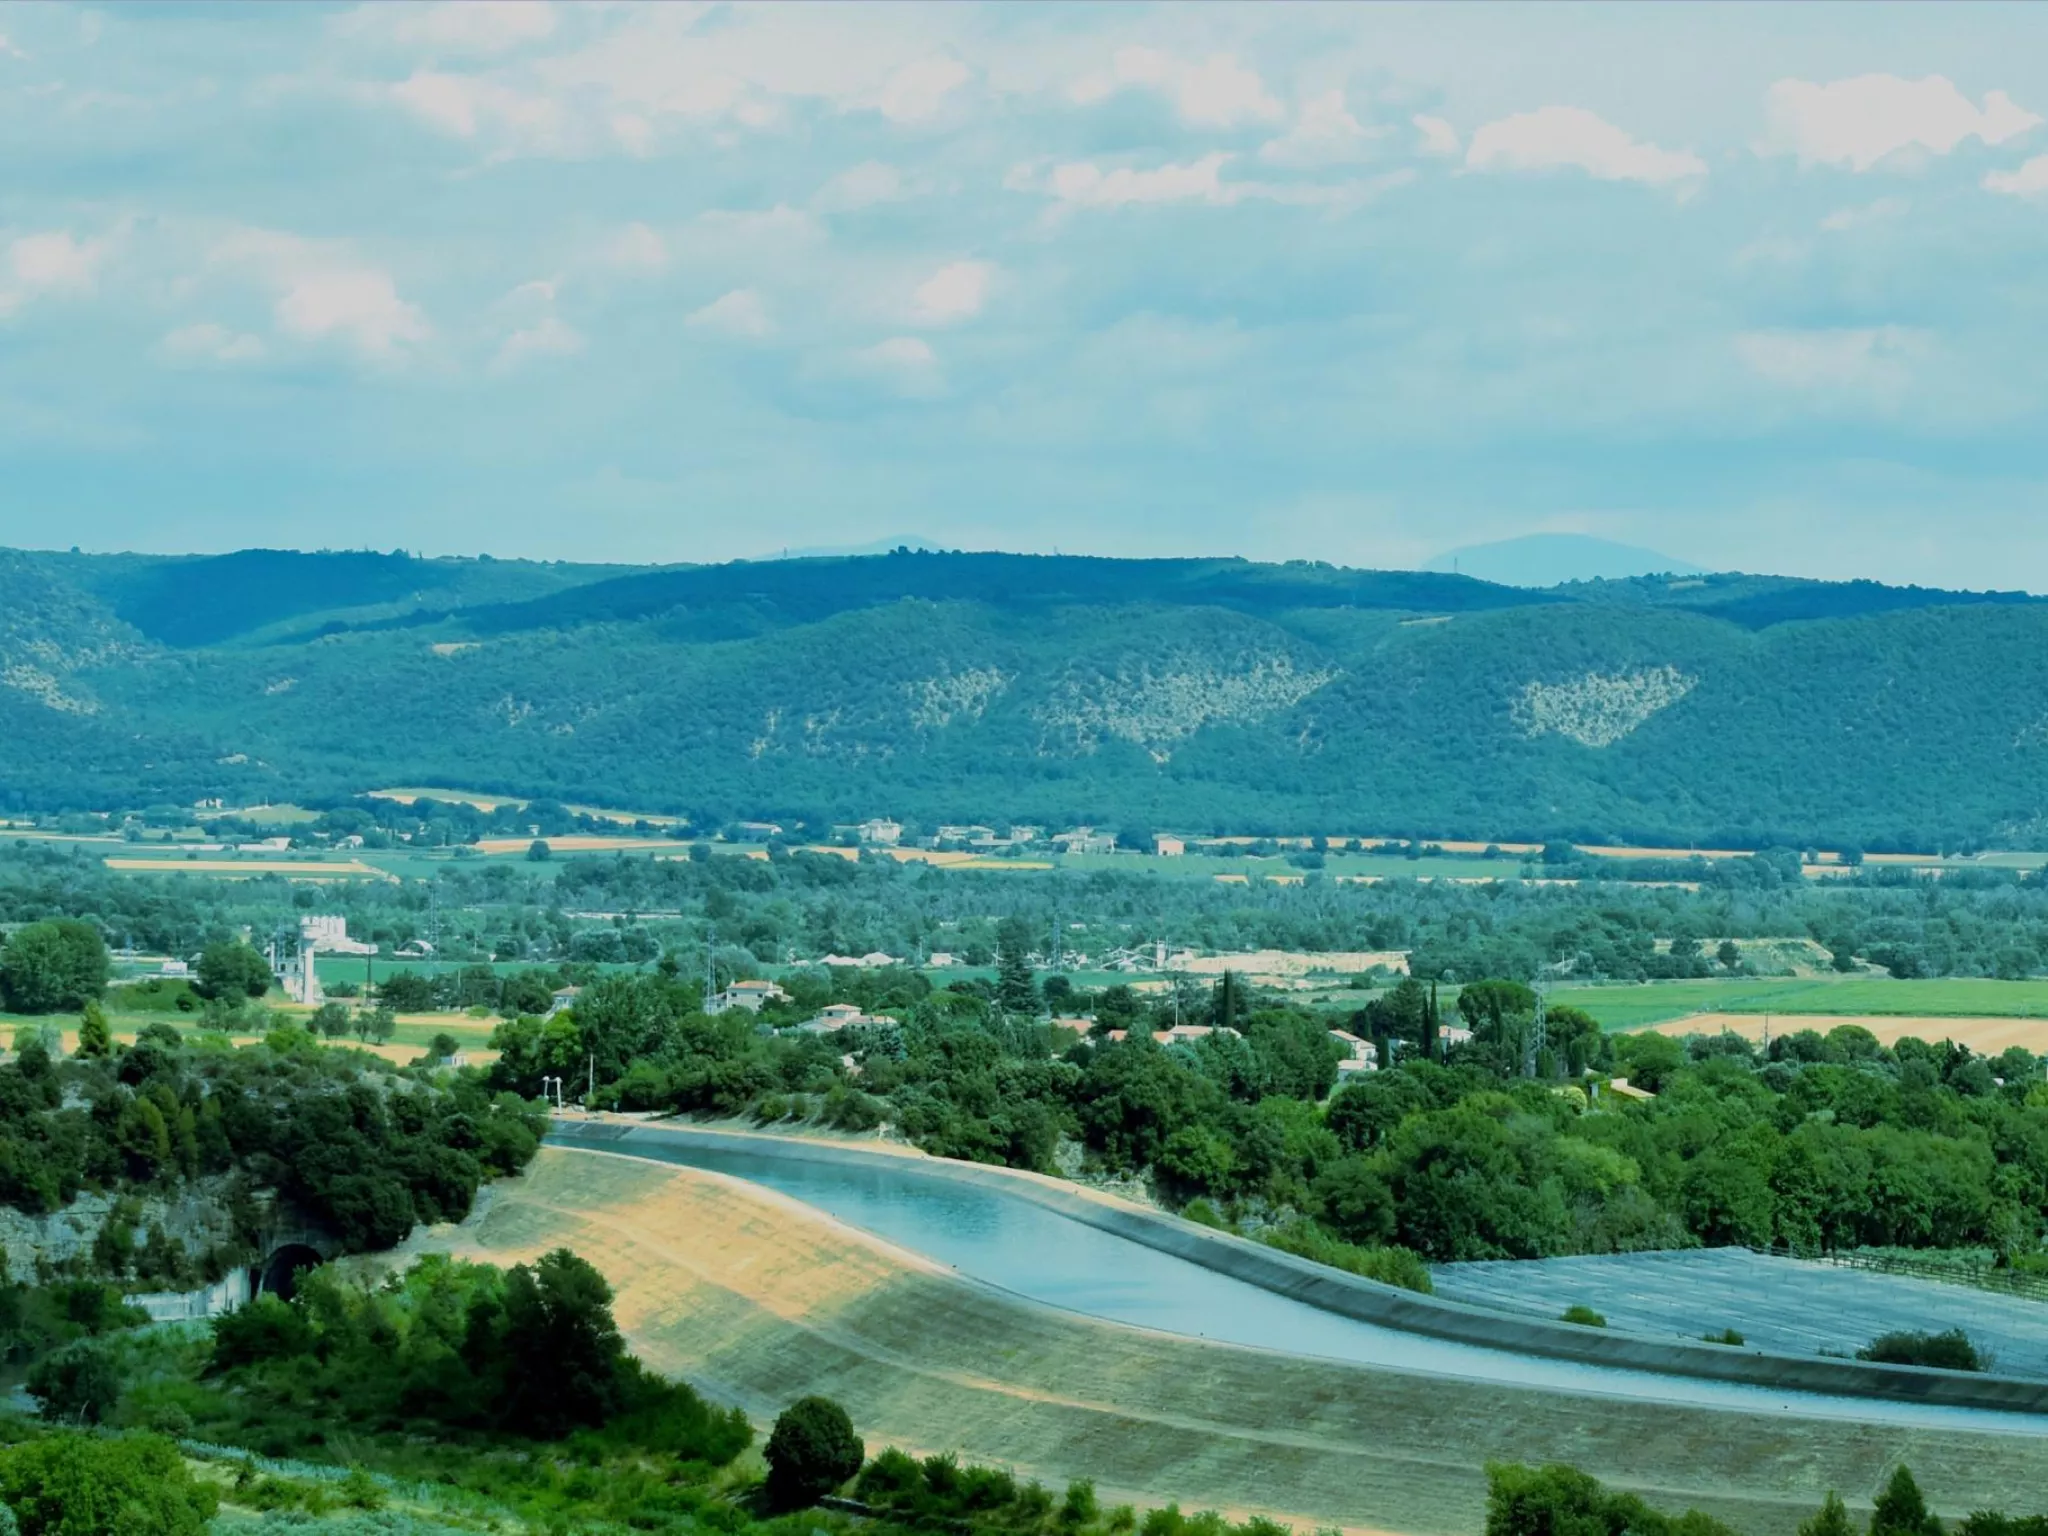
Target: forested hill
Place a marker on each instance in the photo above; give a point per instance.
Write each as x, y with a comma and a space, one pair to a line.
1192, 694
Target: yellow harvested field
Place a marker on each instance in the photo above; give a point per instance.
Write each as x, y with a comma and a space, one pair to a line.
759, 1300
250, 869
1987, 1036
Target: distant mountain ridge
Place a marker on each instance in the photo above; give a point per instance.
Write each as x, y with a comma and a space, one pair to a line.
1553, 559
1199, 694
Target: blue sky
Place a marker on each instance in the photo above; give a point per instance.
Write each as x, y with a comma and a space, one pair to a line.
1761, 287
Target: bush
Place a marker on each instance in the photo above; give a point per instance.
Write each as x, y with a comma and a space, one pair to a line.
1949, 1351
1389, 1266
77, 1385
811, 1451
79, 1485
1725, 1336
1584, 1316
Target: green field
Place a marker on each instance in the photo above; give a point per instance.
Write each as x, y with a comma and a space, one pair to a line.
1631, 1007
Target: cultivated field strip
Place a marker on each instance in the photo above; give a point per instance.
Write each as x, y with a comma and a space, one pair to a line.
760, 1300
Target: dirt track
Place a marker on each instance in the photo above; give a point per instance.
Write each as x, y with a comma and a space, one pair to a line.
759, 1300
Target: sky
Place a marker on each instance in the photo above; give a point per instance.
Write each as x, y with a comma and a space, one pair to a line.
1761, 287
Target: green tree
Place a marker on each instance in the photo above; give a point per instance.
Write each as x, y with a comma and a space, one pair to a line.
76, 1385
94, 1038
230, 971
566, 1356
811, 1451
53, 966
1901, 1510
79, 1485
329, 1020
374, 1025
538, 851
1731, 958
1016, 988
1831, 1519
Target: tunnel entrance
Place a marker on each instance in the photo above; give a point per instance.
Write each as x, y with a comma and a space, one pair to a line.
279, 1275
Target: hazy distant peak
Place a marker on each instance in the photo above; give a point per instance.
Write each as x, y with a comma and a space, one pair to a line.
1547, 559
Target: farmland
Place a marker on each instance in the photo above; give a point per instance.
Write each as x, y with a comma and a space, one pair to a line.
1634, 1007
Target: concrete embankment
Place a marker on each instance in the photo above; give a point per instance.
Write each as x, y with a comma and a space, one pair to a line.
1347, 1295
758, 1300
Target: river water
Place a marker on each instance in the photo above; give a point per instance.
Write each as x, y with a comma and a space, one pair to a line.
1026, 1249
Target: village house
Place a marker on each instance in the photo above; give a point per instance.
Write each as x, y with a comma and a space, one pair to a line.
1084, 840
834, 1017
880, 831
1169, 847
750, 995
1360, 1055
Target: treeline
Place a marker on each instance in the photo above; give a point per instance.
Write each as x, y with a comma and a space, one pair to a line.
1496, 1147
361, 1147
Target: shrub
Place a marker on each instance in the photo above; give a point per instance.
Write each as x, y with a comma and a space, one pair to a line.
1949, 1351
1389, 1266
1584, 1316
79, 1485
1725, 1336
811, 1451
77, 1385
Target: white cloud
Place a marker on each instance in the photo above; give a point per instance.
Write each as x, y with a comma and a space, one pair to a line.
8, 50
905, 365
470, 106
637, 248
207, 342
919, 90
1554, 137
550, 336
777, 228
2029, 180
1860, 121
862, 186
1438, 136
321, 291
1216, 93
742, 312
1871, 359
57, 261
1325, 133
956, 291
458, 26
1843, 219
1087, 184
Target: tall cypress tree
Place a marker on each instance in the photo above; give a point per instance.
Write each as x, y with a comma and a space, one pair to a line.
1429, 1024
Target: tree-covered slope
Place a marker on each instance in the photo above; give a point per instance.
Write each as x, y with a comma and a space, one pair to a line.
1197, 694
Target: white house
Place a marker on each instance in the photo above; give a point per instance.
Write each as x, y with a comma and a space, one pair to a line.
881, 832
872, 960
834, 1017
750, 995
1084, 840
1360, 1055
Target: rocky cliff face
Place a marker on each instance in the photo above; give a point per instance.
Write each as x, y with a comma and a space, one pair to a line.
200, 1221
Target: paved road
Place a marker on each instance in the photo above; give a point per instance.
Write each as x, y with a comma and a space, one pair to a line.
1786, 1306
